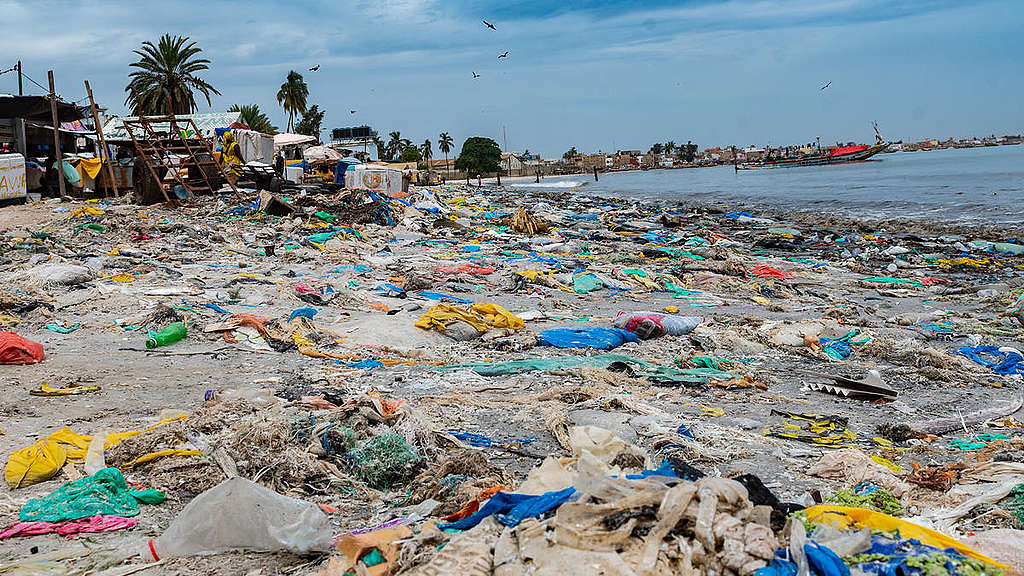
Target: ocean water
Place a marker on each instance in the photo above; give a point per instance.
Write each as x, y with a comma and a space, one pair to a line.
976, 185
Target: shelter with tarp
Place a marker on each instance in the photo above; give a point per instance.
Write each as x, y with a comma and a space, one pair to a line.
26, 126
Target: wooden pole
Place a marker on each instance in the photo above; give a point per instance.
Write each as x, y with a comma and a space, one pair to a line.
103, 142
56, 136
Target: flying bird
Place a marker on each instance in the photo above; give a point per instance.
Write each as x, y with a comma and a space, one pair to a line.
827, 85
314, 68
505, 55
489, 25
475, 75
351, 111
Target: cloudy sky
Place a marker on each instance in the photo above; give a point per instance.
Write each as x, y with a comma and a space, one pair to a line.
605, 75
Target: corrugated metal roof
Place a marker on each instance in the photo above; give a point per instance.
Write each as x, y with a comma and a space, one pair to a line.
207, 124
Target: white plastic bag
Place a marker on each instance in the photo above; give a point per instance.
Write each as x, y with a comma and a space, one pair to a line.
240, 514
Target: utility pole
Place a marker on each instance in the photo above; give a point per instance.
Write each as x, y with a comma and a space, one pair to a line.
56, 136
102, 143
20, 91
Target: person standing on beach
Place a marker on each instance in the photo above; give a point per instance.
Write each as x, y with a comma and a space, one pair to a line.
231, 158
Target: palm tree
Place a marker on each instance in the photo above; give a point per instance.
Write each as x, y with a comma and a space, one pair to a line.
444, 142
254, 118
292, 96
394, 144
427, 152
166, 75
656, 148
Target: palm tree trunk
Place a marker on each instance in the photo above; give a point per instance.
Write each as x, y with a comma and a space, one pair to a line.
447, 169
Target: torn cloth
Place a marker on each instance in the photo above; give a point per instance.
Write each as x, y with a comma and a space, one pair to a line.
70, 527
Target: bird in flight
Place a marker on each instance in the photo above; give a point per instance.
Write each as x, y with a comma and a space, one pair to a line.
314, 68
489, 25
827, 85
505, 55
475, 75
351, 111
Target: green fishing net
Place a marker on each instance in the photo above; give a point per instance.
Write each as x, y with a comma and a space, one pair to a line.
1017, 505
105, 493
385, 461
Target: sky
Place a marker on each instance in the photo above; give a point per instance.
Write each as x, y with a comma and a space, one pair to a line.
595, 75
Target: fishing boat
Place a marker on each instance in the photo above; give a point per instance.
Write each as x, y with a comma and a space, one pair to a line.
827, 156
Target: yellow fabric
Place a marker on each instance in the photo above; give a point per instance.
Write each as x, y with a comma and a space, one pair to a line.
36, 463
87, 211
89, 167
846, 516
161, 453
230, 157
483, 317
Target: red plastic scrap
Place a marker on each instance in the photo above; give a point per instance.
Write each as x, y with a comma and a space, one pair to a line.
766, 271
15, 349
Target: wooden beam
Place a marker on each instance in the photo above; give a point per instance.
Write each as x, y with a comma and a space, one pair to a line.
56, 136
103, 142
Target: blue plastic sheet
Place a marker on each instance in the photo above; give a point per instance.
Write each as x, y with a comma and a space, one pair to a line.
599, 338
367, 364
1001, 363
739, 215
305, 312
510, 509
900, 551
440, 296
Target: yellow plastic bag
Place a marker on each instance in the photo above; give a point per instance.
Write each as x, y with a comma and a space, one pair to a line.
36, 463
846, 516
483, 317
498, 317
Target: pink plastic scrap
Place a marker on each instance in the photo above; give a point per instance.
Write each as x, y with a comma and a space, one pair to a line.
70, 527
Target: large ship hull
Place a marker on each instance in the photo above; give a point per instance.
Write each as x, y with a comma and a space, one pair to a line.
855, 154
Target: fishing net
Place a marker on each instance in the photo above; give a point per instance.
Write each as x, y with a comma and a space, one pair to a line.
105, 493
385, 461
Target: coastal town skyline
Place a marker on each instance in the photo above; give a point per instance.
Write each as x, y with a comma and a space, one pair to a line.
599, 76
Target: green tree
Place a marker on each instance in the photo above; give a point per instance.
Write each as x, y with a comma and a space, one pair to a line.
292, 96
426, 151
311, 121
167, 70
686, 152
444, 142
656, 148
254, 118
570, 154
382, 148
670, 147
479, 155
394, 147
410, 154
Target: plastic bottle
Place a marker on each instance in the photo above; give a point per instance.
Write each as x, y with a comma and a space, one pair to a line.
168, 335
240, 514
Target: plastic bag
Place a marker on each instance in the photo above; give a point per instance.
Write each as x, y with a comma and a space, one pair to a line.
599, 338
649, 325
240, 514
845, 516
15, 349
36, 463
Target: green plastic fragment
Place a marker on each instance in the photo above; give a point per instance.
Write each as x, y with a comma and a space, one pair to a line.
105, 493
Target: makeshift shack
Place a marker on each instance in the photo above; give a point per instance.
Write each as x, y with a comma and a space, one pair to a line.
374, 178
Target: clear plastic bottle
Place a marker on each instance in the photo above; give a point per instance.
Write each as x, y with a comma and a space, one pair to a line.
258, 396
239, 514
